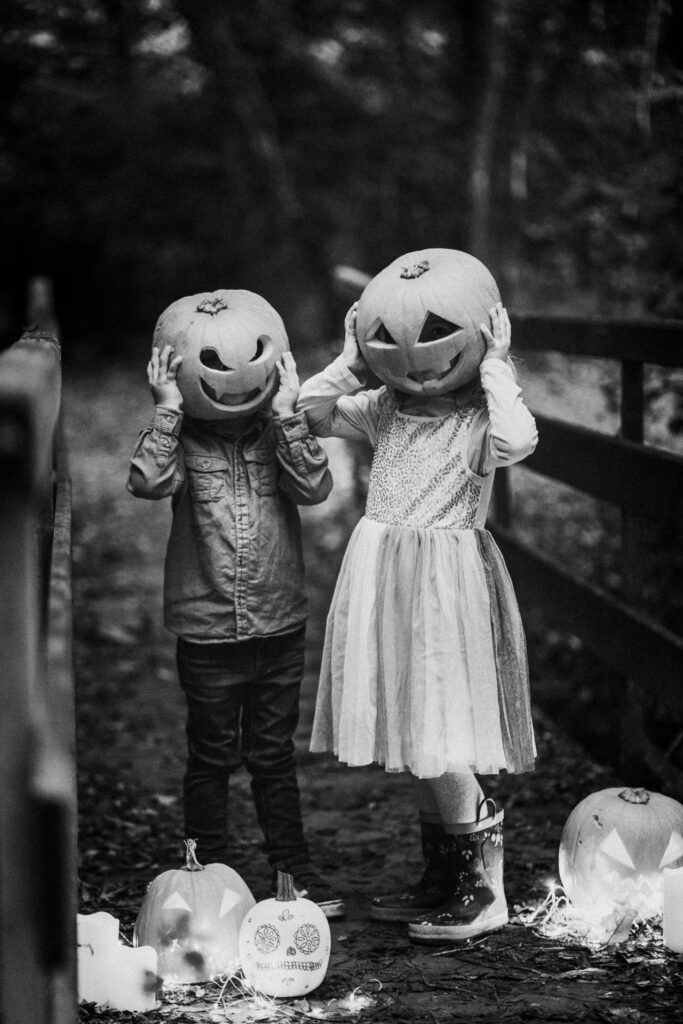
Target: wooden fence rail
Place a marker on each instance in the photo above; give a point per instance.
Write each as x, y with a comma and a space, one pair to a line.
37, 774
645, 483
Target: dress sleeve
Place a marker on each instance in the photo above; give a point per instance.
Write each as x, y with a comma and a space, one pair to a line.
505, 431
333, 410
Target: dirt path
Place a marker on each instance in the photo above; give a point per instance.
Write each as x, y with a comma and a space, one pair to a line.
361, 822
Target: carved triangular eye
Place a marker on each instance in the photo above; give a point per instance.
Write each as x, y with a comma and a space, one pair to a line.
176, 902
673, 851
230, 900
382, 334
613, 847
436, 327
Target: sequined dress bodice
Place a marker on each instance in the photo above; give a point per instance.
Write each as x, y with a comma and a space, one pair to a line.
419, 474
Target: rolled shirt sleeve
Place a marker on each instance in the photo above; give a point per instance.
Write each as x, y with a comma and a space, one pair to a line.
305, 476
155, 468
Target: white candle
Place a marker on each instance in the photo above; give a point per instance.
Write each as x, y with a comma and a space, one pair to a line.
98, 940
672, 908
110, 974
133, 979
97, 930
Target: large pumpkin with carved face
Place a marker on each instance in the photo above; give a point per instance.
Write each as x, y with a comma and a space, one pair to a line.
285, 943
614, 848
192, 918
230, 341
418, 321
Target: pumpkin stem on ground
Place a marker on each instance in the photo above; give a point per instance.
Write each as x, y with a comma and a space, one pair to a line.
285, 887
191, 862
635, 796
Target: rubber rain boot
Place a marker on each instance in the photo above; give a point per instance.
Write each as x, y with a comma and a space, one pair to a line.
433, 888
476, 903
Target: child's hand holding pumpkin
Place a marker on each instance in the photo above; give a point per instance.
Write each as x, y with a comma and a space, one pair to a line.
498, 342
352, 353
284, 399
162, 371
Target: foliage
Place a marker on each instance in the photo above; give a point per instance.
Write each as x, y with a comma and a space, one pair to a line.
155, 148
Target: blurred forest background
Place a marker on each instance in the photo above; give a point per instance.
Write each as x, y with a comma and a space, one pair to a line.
154, 148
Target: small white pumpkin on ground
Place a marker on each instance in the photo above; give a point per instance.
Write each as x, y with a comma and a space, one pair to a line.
284, 943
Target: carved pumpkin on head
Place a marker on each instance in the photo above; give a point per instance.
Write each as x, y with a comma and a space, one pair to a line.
418, 320
230, 342
614, 848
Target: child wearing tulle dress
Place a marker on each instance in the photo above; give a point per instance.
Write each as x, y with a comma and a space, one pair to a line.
424, 665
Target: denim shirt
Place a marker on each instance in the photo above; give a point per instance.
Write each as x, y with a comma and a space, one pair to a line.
234, 564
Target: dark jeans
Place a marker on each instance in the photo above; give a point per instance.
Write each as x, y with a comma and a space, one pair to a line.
243, 708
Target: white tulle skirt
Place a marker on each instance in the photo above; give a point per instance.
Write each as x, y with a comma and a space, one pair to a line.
424, 665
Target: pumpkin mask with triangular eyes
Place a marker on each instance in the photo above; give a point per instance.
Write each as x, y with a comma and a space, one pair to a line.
418, 320
230, 341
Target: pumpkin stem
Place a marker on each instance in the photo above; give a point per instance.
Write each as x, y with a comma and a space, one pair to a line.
191, 862
414, 269
635, 796
212, 306
285, 888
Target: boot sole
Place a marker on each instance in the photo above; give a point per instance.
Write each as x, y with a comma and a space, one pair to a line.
435, 933
333, 909
393, 914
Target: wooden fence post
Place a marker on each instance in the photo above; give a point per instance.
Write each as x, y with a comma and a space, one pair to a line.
632, 723
37, 775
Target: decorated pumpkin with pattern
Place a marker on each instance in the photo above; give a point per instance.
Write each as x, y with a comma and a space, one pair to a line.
285, 943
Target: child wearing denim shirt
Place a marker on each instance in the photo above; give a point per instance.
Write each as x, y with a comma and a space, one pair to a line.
236, 461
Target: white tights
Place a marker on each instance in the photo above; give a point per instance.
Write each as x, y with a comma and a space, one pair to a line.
452, 799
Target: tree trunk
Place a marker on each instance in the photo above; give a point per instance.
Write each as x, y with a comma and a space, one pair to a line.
484, 33
245, 108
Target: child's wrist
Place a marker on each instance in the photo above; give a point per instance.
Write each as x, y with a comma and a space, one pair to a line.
356, 367
176, 404
284, 412
169, 399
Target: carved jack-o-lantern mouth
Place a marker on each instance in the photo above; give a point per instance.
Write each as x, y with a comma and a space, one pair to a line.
421, 376
226, 398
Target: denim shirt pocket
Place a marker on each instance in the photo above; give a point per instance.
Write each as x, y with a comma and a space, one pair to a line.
262, 469
206, 475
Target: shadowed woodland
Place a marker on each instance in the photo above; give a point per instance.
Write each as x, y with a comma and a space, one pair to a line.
153, 149
156, 148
